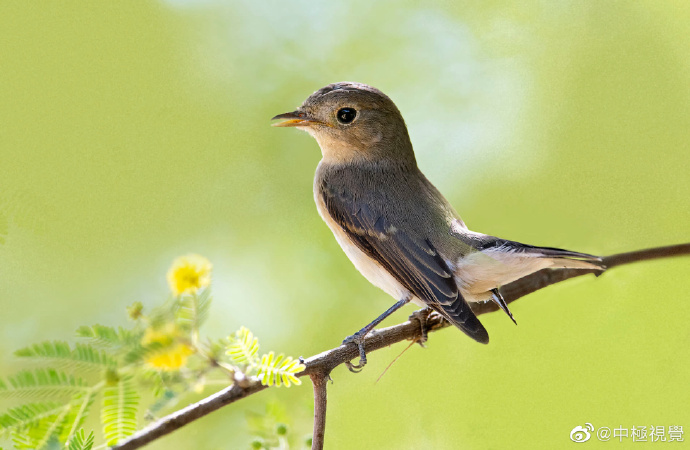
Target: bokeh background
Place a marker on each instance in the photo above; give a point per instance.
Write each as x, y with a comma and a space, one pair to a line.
133, 132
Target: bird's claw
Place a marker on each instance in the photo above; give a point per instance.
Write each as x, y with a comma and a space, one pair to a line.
358, 340
422, 316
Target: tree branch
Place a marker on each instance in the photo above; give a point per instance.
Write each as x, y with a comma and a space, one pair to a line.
320, 381
318, 367
190, 413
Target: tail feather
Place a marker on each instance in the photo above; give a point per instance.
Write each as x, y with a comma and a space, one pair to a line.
486, 243
564, 258
568, 263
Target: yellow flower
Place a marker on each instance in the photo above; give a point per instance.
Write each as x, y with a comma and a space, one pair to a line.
173, 353
188, 274
170, 359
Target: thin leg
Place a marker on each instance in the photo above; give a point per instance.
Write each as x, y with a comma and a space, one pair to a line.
500, 301
358, 337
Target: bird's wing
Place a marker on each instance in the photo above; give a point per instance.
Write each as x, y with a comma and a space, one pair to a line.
414, 263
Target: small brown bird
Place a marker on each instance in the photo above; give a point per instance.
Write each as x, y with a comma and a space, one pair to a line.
394, 225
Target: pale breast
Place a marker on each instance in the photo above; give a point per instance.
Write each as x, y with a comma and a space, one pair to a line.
371, 270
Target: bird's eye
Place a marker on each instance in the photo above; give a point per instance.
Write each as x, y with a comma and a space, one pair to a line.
346, 115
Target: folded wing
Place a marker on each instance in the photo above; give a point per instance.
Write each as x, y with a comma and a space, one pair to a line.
414, 262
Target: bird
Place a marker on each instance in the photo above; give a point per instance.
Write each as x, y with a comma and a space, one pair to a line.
395, 226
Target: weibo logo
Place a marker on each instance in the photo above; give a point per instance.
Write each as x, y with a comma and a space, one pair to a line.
581, 434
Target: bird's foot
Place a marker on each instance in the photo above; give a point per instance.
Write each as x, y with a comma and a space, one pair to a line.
422, 316
357, 339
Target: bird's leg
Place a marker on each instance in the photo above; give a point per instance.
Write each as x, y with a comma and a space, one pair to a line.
422, 315
498, 299
358, 337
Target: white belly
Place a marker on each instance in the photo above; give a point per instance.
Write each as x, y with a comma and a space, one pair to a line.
372, 271
479, 272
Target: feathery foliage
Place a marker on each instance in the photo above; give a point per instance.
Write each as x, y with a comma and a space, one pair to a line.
79, 409
27, 415
21, 440
46, 429
280, 370
83, 356
161, 353
109, 337
81, 441
193, 310
243, 348
41, 383
119, 411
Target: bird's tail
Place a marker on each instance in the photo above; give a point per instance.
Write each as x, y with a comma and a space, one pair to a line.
566, 259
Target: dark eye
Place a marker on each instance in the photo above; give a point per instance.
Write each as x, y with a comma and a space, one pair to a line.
346, 115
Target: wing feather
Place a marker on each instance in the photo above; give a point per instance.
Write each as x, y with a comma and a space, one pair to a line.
414, 263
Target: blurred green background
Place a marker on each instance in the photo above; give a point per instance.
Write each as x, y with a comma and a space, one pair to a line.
133, 132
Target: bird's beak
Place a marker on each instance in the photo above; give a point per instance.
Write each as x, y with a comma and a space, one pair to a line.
294, 119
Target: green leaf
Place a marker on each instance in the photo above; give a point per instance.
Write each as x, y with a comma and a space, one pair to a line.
21, 440
164, 314
81, 441
215, 349
280, 370
243, 348
103, 336
119, 411
80, 406
83, 355
47, 429
193, 310
86, 353
160, 381
138, 352
47, 349
28, 415
41, 383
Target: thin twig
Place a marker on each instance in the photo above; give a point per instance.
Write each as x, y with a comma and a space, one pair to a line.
320, 382
319, 366
412, 342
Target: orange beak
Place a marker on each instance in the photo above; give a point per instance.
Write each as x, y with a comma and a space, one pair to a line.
294, 119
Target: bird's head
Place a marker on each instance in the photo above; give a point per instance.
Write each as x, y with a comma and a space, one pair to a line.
352, 121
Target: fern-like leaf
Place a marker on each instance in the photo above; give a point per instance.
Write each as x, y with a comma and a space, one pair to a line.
47, 349
164, 314
119, 412
28, 415
83, 356
81, 441
243, 348
86, 353
138, 352
109, 337
80, 406
41, 383
193, 310
47, 429
279, 371
21, 440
